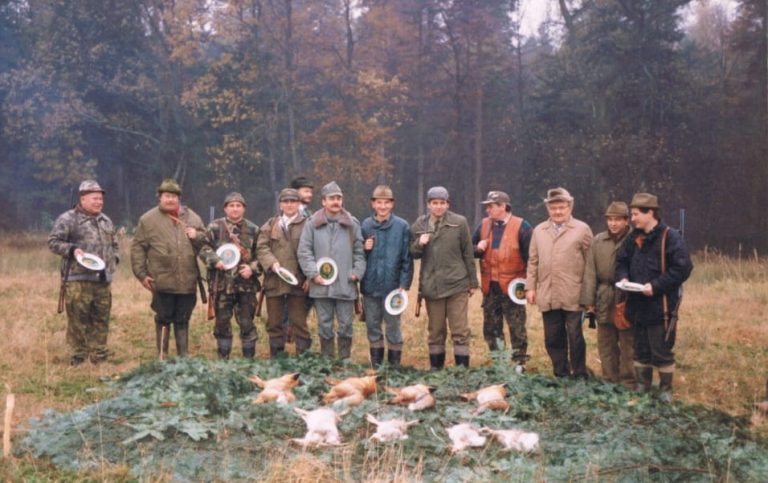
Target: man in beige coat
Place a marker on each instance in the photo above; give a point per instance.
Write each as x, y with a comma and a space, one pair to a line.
556, 261
163, 258
599, 296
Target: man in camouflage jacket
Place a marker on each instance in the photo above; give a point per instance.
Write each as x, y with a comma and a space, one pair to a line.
85, 229
233, 291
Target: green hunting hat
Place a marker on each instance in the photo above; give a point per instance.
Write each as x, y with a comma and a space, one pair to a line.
234, 196
558, 194
499, 197
169, 185
301, 182
644, 200
617, 208
90, 186
382, 192
289, 194
331, 189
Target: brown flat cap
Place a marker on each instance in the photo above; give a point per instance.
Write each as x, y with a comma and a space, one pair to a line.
169, 185
644, 200
234, 196
617, 208
558, 194
289, 194
499, 197
382, 192
89, 186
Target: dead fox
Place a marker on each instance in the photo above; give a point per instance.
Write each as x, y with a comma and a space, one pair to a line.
418, 397
278, 389
352, 390
491, 397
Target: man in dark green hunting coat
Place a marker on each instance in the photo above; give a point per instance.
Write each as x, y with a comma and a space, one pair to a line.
85, 229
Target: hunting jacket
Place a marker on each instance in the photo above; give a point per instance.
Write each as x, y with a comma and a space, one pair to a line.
389, 264
639, 261
598, 287
277, 244
161, 249
92, 234
447, 261
243, 234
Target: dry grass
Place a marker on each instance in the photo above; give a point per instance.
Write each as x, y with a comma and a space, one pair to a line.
721, 350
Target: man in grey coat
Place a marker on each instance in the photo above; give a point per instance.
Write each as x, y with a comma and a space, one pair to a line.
334, 233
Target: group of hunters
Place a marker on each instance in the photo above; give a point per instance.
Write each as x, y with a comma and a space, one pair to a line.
570, 275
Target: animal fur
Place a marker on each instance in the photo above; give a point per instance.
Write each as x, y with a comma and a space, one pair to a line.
351, 391
418, 397
392, 430
514, 439
278, 389
491, 397
465, 435
321, 427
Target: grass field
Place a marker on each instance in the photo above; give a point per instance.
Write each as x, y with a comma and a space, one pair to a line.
722, 348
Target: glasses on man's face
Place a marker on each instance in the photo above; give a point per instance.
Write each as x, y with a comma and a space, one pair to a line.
557, 209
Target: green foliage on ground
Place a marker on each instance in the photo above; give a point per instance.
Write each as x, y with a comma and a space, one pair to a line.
193, 419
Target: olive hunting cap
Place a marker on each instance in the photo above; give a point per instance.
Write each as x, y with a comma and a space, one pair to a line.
331, 189
499, 197
437, 193
89, 186
289, 194
558, 194
644, 200
301, 182
169, 185
234, 196
382, 192
617, 208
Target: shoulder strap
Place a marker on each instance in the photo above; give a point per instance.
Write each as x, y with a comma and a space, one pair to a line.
664, 249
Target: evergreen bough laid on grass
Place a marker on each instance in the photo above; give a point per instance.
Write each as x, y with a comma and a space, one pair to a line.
193, 419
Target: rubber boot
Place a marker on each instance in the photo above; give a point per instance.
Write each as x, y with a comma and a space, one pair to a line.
644, 376
393, 358
182, 339
223, 347
345, 348
461, 360
665, 386
493, 344
436, 362
302, 345
162, 338
377, 356
276, 346
249, 349
328, 347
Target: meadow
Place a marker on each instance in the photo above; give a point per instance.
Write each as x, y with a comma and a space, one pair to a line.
722, 345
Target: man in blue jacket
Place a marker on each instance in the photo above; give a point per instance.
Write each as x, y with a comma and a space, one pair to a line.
656, 257
389, 267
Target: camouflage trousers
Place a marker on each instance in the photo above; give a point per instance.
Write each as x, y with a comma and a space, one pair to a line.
243, 306
497, 306
88, 305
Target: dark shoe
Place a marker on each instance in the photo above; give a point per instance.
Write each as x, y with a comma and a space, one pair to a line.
161, 338
249, 349
223, 347
436, 362
302, 345
328, 347
345, 348
461, 360
665, 386
644, 376
377, 356
76, 361
493, 345
393, 358
276, 346
182, 340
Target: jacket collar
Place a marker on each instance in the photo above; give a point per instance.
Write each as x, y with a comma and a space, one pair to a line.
319, 219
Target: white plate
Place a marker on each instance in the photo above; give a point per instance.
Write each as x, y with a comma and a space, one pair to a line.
327, 269
630, 286
286, 276
516, 291
91, 261
396, 302
229, 254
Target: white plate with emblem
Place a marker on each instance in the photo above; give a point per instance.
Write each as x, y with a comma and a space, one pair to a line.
630, 286
516, 291
229, 254
396, 302
91, 261
327, 269
286, 276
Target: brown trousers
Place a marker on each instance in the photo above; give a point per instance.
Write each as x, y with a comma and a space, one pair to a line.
448, 313
297, 315
615, 348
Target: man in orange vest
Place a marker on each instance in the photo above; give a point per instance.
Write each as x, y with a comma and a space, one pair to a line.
501, 243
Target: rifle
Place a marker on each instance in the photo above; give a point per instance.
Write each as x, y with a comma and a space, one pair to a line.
63, 287
260, 301
214, 291
670, 320
419, 298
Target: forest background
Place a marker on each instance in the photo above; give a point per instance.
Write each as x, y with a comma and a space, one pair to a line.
606, 98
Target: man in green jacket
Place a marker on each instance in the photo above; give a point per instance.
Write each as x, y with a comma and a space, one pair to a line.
233, 290
447, 278
163, 258
600, 296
